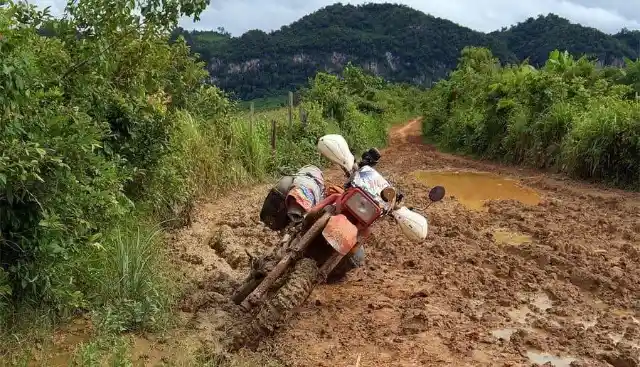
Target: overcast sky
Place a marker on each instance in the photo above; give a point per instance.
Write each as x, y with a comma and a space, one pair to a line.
238, 16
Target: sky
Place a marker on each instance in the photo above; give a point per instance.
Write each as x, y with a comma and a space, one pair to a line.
239, 16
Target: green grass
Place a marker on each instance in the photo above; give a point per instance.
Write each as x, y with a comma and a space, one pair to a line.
266, 103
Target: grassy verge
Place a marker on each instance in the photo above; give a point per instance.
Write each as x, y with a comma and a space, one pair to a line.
569, 116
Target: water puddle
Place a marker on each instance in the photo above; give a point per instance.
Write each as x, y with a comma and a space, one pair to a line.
542, 358
511, 238
596, 303
542, 301
504, 334
472, 189
587, 324
615, 338
66, 341
519, 315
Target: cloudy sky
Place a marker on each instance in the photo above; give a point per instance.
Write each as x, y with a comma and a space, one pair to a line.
238, 16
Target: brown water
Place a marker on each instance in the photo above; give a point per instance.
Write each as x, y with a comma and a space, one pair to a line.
511, 238
504, 334
542, 358
472, 189
542, 301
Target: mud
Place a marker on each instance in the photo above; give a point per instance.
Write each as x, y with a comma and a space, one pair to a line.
553, 279
278, 308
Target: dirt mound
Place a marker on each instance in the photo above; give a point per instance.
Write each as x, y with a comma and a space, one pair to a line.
506, 284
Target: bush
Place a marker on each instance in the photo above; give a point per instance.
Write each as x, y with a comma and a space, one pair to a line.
569, 115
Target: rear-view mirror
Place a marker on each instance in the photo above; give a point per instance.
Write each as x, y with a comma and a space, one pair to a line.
436, 193
388, 194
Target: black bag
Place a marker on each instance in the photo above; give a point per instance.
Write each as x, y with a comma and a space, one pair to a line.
274, 210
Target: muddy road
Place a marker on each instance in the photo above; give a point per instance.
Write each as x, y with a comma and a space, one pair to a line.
519, 268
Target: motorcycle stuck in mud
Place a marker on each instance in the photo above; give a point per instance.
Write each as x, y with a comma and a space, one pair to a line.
322, 237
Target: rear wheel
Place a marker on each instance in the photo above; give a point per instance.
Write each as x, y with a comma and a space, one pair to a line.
280, 305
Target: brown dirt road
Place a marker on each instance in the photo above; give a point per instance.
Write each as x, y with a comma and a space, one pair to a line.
507, 284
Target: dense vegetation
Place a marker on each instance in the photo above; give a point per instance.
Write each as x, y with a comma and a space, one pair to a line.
398, 43
108, 129
569, 115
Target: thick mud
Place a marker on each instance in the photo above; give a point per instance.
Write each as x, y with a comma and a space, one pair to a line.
502, 283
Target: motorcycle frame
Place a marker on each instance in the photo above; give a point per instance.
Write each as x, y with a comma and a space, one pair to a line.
331, 205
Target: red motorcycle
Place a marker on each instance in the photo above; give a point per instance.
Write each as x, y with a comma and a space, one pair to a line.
322, 241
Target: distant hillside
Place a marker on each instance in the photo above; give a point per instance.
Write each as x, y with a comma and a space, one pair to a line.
630, 39
394, 41
536, 38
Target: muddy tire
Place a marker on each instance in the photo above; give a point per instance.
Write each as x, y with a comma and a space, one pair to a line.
278, 308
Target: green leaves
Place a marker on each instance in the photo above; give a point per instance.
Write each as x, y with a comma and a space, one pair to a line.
568, 115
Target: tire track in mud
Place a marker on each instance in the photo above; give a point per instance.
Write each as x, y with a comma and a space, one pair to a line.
461, 298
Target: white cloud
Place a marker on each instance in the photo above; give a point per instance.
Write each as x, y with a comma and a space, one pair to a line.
238, 16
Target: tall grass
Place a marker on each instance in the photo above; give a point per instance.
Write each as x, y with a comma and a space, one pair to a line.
134, 288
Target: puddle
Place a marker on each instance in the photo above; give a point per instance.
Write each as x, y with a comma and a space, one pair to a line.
542, 358
587, 324
542, 301
625, 313
596, 303
519, 315
472, 189
615, 338
65, 343
504, 334
510, 238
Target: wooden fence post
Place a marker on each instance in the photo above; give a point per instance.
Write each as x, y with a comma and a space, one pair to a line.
273, 137
290, 109
251, 118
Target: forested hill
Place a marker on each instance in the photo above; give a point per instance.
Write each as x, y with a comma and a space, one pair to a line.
394, 41
536, 38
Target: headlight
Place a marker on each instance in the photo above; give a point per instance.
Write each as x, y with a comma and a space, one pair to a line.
362, 207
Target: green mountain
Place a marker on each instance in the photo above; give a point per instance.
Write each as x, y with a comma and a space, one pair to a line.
394, 41
534, 39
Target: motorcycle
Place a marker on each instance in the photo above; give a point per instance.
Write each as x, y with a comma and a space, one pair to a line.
328, 233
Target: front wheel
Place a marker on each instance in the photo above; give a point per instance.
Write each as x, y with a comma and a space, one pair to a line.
280, 306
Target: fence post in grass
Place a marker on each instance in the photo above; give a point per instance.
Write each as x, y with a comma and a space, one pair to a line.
303, 117
273, 139
251, 106
290, 109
